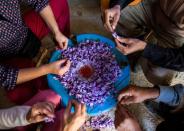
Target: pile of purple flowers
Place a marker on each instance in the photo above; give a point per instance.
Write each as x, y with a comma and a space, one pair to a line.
94, 89
101, 121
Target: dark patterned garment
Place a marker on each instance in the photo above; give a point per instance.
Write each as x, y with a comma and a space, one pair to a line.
13, 33
122, 3
171, 58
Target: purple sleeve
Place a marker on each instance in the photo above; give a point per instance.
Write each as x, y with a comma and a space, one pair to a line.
38, 5
8, 77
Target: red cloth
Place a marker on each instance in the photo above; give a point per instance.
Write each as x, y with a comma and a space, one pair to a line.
46, 95
24, 92
62, 15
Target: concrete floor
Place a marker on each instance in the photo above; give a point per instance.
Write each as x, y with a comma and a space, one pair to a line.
86, 17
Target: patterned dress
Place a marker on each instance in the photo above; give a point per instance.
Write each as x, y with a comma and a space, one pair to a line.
13, 33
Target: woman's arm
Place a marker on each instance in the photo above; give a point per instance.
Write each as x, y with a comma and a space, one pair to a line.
13, 117
32, 73
25, 115
44, 9
53, 68
12, 76
48, 16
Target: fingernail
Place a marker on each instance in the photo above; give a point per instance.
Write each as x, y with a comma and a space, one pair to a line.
113, 27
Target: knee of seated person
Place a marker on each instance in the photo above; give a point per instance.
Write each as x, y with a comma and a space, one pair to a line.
51, 96
45, 95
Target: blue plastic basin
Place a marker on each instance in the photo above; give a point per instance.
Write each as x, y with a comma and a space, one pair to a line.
121, 82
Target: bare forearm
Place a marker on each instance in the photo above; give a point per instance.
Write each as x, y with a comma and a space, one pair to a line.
66, 128
69, 128
31, 73
49, 18
153, 93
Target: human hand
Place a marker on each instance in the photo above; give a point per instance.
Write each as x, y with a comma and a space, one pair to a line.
73, 121
124, 121
111, 18
135, 94
59, 67
62, 40
132, 45
40, 111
